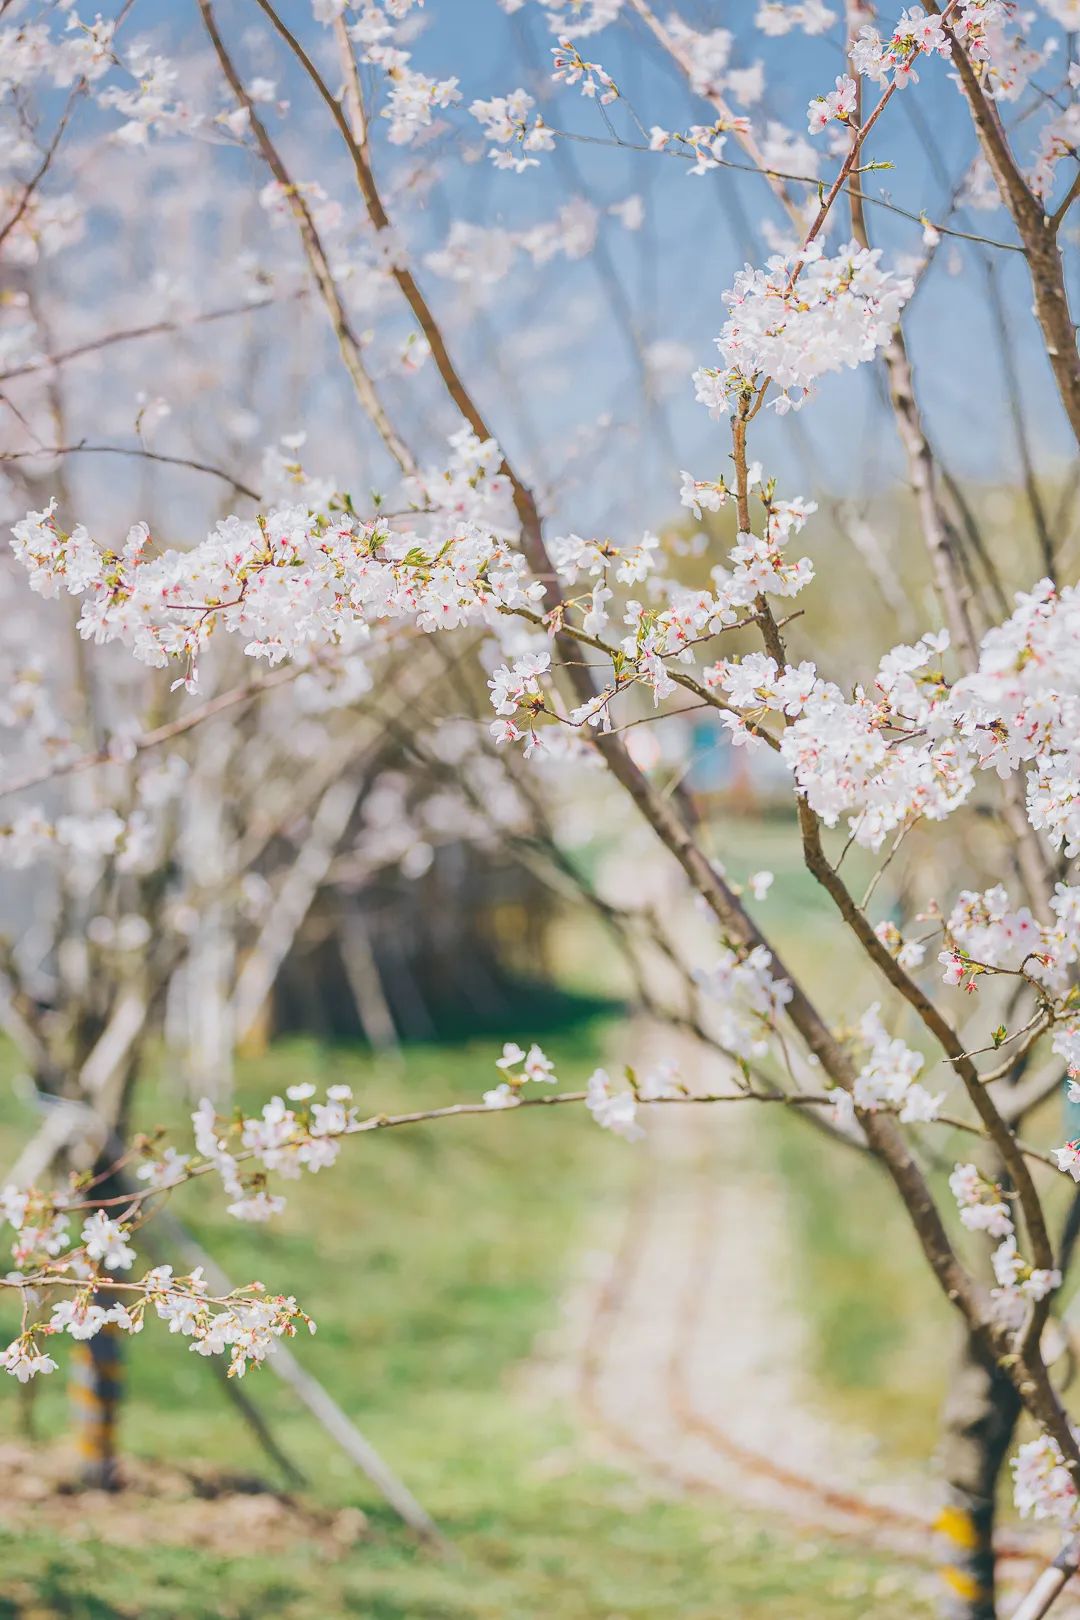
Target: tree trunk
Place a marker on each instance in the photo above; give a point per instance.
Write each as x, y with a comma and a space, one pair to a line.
980, 1413
95, 1384
96, 1367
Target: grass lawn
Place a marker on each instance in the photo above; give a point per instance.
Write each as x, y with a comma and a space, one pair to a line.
432, 1259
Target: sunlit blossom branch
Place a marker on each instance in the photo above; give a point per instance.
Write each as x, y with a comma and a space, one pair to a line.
356, 144
132, 1203
668, 825
937, 1025
940, 535
559, 623
1035, 1379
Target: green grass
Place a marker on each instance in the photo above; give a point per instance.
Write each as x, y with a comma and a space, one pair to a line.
432, 1258
602, 1561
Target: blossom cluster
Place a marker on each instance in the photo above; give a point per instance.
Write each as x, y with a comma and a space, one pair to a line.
485, 254
704, 142
576, 18
778, 17
96, 1292
519, 1068
893, 58
837, 106
800, 318
707, 59
983, 1208
1059, 138
667, 633
986, 933
244, 1325
282, 1140
412, 96
294, 579
886, 1078
570, 67
911, 744
1043, 1487
993, 35
980, 1201
613, 1107
505, 120
748, 999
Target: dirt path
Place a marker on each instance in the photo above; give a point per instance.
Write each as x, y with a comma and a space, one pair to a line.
688, 1355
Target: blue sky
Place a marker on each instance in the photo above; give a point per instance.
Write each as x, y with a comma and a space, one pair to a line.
554, 355
699, 230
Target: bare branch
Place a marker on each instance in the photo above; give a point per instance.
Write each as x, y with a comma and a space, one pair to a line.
319, 264
42, 452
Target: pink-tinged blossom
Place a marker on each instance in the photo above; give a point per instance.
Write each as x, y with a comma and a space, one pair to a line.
701, 495
301, 577
510, 685
707, 55
412, 96
505, 120
837, 106
910, 953
502, 1096
78, 1317
257, 1207
1066, 1044
571, 68
955, 967
1068, 1159
894, 57
538, 1066
990, 930
661, 1083
167, 1171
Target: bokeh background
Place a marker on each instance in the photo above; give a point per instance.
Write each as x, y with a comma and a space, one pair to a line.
668, 1380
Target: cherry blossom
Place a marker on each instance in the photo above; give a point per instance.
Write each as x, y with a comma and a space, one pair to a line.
571, 68
839, 313
1043, 1486
505, 120
593, 645
982, 1204
614, 1111
838, 105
